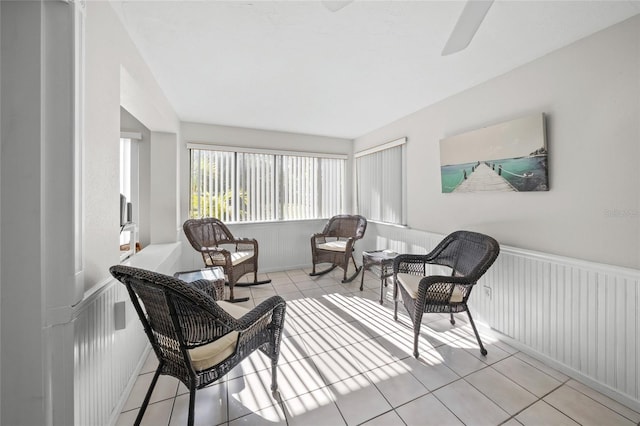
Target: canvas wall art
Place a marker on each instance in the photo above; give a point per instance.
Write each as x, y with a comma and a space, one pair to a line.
506, 157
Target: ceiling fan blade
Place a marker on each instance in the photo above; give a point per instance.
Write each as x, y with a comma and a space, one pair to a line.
335, 5
468, 23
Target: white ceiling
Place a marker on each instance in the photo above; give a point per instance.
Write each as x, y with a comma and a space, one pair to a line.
298, 67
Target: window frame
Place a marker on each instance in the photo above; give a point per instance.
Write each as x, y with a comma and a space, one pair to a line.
278, 155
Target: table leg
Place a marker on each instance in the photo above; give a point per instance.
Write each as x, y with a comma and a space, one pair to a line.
364, 268
383, 273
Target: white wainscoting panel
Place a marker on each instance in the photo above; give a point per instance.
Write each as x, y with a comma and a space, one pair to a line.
580, 316
106, 360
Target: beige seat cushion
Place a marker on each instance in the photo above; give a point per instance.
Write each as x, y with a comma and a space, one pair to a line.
236, 258
338, 245
206, 356
411, 283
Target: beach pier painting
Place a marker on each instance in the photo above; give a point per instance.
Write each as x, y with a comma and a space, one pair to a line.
506, 157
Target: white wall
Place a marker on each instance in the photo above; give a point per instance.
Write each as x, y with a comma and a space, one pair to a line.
38, 206
116, 75
590, 92
23, 124
163, 188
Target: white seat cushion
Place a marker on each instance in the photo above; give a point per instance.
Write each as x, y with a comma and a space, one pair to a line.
206, 356
338, 245
236, 258
232, 309
411, 283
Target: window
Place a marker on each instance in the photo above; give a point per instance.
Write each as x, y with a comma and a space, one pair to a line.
128, 189
125, 167
381, 182
260, 185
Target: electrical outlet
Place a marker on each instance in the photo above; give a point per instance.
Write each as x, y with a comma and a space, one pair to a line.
487, 291
120, 315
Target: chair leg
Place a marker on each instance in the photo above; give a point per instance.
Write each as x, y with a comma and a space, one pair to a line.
267, 281
147, 397
395, 300
255, 280
274, 377
417, 322
324, 271
416, 336
352, 277
192, 403
355, 274
483, 351
453, 321
232, 298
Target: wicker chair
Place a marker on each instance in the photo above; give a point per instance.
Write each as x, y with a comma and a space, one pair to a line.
335, 244
196, 338
209, 236
467, 254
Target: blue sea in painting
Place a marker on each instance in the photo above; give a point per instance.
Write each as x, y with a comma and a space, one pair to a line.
523, 173
453, 175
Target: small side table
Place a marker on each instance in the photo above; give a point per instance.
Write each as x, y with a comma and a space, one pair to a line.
215, 275
380, 262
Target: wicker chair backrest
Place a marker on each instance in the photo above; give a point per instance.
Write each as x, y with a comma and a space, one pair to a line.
175, 316
467, 253
346, 226
206, 232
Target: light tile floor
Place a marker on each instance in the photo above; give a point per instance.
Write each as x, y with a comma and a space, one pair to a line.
344, 361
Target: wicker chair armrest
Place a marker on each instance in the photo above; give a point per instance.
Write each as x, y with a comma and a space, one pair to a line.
445, 279
273, 306
432, 286
245, 240
215, 250
246, 243
350, 242
318, 238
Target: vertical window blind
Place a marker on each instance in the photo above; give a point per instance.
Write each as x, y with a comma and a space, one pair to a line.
260, 186
381, 182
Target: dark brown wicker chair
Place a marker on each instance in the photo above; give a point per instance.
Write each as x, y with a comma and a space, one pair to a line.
467, 254
335, 243
196, 338
209, 236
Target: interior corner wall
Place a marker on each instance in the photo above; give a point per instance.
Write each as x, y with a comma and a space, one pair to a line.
163, 221
115, 76
590, 94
